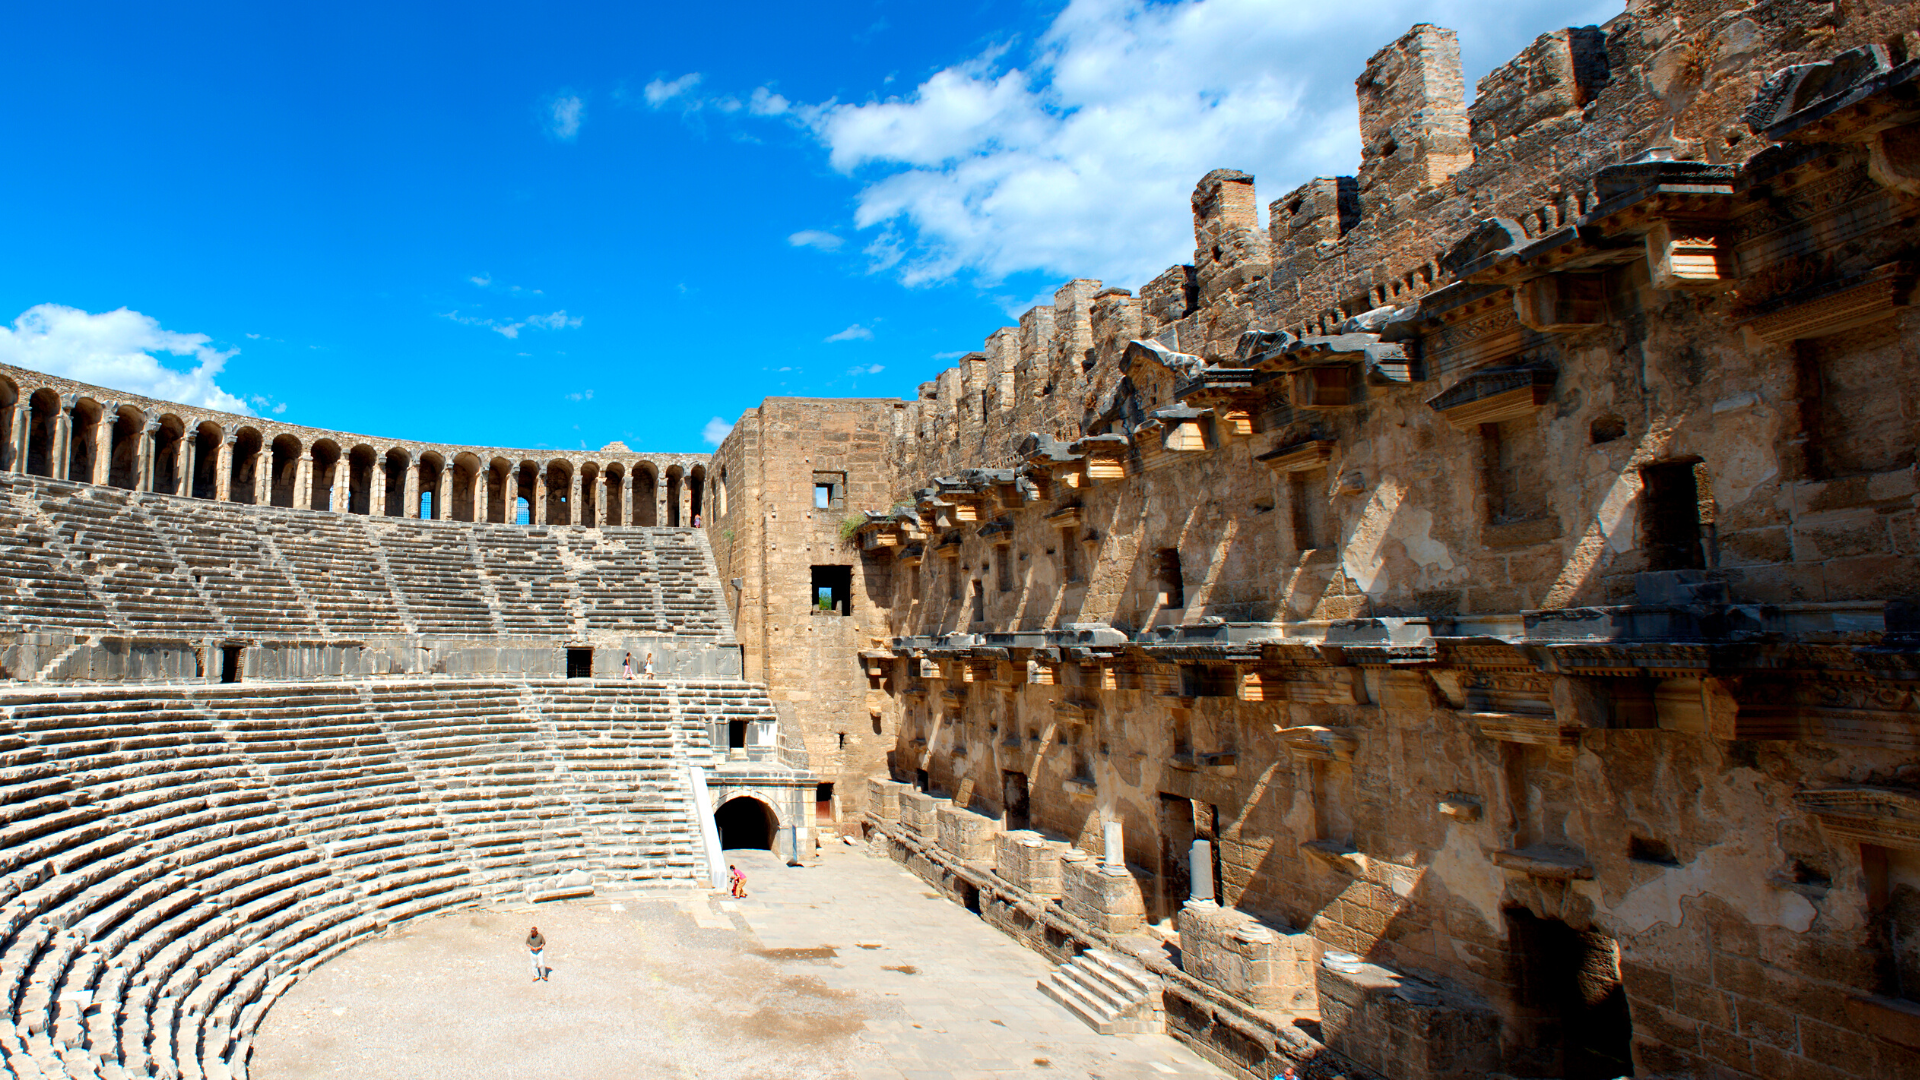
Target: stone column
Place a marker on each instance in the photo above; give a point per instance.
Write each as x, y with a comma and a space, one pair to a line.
1200, 869
443, 494
223, 469
62, 448
576, 502
483, 494
143, 456
1116, 853
103, 443
263, 476
632, 501
21, 435
410, 491
511, 491
188, 460
539, 515
303, 481
342, 485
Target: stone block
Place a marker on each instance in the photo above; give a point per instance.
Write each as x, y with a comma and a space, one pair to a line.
883, 799
1107, 897
1269, 967
1404, 1028
966, 835
919, 814
1029, 861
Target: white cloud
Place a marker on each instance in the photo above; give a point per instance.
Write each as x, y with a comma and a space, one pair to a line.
580, 395
1079, 160
866, 369
765, 102
659, 91
716, 431
565, 114
856, 332
482, 280
117, 349
559, 320
814, 238
954, 355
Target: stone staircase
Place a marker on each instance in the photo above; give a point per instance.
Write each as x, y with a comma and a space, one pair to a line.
1114, 995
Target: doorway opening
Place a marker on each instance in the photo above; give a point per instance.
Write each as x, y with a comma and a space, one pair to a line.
1567, 984
1013, 795
230, 667
745, 823
823, 804
579, 663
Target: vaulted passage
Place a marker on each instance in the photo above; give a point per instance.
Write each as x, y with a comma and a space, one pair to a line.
745, 823
1567, 985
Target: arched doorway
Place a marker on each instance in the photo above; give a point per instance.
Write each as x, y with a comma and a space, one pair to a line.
745, 823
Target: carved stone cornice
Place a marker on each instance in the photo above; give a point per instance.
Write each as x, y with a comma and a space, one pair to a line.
1882, 817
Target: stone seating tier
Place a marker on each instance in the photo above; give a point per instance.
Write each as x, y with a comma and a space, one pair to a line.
74, 557
174, 857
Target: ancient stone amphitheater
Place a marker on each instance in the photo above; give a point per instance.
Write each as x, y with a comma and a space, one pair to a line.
241, 738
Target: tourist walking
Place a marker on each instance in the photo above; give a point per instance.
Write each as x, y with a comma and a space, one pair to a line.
537, 945
738, 882
626, 667
649, 672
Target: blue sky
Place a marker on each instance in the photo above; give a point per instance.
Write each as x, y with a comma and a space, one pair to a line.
559, 225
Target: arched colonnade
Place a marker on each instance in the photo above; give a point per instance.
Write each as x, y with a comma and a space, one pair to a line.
72, 436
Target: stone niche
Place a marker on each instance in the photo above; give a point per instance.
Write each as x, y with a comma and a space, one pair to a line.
1106, 897
1402, 1027
1030, 862
1234, 952
966, 835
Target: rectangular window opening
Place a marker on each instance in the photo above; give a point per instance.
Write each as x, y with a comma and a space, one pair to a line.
979, 601
829, 490
231, 665
1672, 516
833, 590
1310, 511
1069, 555
1173, 589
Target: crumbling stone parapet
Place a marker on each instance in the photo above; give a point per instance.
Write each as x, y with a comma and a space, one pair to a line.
1242, 956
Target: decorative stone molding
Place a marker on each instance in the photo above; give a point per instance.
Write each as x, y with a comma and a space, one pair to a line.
1882, 817
1299, 457
1834, 307
1495, 394
1313, 742
1554, 862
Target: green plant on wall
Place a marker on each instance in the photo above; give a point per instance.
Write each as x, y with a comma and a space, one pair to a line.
851, 524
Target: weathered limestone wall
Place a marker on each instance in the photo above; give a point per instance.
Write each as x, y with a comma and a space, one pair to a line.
770, 536
1503, 555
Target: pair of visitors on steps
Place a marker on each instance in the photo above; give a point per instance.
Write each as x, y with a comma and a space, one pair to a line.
626, 667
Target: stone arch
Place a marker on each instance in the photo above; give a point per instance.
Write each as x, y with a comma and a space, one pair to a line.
559, 476
283, 470
530, 476
426, 501
393, 498
12, 440
646, 485
123, 448
460, 494
43, 431
169, 446
498, 470
588, 512
616, 480
746, 820
326, 473
83, 436
243, 478
360, 463
675, 476
204, 483
696, 487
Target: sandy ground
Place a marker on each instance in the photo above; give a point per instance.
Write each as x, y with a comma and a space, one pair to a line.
852, 969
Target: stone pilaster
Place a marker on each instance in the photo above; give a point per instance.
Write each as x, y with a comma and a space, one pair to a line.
410, 491
62, 450
223, 469
143, 457
103, 443
21, 435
